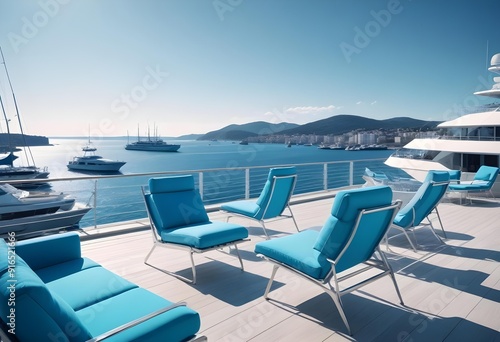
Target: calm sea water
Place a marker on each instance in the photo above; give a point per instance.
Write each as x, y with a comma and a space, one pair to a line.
120, 199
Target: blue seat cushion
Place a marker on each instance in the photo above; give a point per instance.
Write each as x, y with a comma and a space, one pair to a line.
245, 208
178, 324
476, 186
206, 235
297, 252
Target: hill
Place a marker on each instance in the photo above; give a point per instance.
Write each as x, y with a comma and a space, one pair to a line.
18, 140
244, 131
344, 123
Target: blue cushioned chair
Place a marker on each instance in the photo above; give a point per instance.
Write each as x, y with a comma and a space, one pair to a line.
423, 203
483, 181
179, 220
351, 235
272, 202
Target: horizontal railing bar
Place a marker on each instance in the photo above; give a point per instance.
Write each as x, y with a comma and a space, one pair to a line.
142, 174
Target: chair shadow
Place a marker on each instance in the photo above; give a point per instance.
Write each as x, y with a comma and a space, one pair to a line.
229, 283
259, 231
478, 202
379, 320
469, 281
460, 251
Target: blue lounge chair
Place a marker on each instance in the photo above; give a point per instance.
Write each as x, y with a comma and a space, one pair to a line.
483, 181
423, 203
351, 235
179, 220
272, 202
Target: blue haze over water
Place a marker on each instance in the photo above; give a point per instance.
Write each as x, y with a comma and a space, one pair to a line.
121, 199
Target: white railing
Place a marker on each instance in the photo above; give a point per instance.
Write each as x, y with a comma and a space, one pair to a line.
117, 198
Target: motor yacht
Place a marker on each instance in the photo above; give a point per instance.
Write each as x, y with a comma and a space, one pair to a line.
467, 142
26, 212
90, 162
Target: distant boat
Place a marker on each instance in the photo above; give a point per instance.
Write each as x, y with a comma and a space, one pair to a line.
373, 147
152, 144
243, 142
94, 163
289, 144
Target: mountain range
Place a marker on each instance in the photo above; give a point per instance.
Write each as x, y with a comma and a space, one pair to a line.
335, 125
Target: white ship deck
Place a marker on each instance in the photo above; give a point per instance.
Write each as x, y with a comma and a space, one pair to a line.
451, 292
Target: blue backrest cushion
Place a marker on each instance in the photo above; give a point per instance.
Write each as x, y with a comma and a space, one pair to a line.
455, 175
345, 210
424, 200
174, 202
486, 173
282, 189
55, 248
39, 314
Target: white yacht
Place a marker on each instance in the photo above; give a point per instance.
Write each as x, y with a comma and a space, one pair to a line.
154, 144
28, 213
91, 162
467, 142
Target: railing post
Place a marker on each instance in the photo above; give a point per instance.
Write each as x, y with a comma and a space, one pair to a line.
351, 173
95, 204
325, 176
200, 184
247, 183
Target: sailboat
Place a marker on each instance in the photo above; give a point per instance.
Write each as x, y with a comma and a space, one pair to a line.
9, 172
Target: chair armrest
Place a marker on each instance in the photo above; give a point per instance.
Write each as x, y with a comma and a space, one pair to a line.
49, 250
137, 321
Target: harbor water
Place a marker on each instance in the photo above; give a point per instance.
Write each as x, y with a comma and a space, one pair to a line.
120, 199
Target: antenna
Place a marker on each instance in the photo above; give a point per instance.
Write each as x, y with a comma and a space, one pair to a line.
487, 54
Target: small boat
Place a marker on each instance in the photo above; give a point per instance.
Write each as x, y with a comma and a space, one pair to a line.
93, 163
243, 142
152, 144
31, 213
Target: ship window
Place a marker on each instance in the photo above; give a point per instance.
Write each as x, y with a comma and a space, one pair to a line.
486, 133
472, 162
491, 160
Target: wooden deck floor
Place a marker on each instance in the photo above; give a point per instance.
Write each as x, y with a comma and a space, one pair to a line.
451, 292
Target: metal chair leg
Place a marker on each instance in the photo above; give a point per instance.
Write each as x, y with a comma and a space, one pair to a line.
268, 287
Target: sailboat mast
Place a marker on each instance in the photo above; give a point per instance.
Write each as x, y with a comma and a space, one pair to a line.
6, 125
17, 109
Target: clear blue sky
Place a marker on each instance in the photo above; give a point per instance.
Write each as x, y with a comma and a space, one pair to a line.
191, 66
